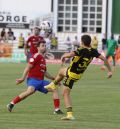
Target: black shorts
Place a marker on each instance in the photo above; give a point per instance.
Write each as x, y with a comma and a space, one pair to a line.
68, 81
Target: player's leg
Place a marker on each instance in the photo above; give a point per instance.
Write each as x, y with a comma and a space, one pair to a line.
30, 90
113, 62
66, 95
104, 66
59, 77
68, 104
56, 100
67, 99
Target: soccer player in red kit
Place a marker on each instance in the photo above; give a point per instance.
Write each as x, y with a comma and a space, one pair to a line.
30, 45
34, 74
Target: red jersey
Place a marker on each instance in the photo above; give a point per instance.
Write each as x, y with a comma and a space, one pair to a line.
39, 67
32, 41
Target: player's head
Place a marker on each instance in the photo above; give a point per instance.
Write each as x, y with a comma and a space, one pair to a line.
86, 40
36, 30
41, 46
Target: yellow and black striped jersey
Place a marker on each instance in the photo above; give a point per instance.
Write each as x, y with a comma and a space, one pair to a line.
81, 60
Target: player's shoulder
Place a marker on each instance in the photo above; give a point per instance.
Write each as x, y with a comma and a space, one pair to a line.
34, 57
80, 49
30, 37
94, 50
37, 55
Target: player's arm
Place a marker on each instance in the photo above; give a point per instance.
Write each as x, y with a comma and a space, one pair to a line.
25, 72
107, 65
67, 55
49, 76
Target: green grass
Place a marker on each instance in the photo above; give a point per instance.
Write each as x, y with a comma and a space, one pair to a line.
96, 102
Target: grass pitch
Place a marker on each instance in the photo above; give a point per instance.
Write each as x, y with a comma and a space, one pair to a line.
96, 101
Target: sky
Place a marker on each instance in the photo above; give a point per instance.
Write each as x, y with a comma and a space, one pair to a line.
31, 8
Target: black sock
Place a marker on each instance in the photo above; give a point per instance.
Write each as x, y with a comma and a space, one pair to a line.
55, 82
69, 109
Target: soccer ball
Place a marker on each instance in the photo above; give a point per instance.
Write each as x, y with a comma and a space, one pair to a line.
46, 25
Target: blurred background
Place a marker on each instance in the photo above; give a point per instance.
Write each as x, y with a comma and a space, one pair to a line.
63, 20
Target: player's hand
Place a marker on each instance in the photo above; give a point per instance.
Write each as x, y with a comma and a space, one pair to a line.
18, 81
109, 75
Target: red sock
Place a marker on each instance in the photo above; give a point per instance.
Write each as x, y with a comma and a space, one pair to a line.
16, 100
56, 103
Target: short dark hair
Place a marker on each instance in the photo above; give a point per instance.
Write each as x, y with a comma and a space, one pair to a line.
36, 27
86, 39
41, 41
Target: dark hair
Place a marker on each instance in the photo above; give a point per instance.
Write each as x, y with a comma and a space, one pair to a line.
37, 28
41, 41
86, 39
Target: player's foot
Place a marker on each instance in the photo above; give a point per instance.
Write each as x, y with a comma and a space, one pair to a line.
58, 112
68, 118
109, 75
103, 68
10, 107
51, 86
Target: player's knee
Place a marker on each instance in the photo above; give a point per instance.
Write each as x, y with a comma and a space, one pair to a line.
61, 72
30, 91
66, 92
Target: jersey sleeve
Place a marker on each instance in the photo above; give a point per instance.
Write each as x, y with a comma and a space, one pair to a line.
96, 53
32, 61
